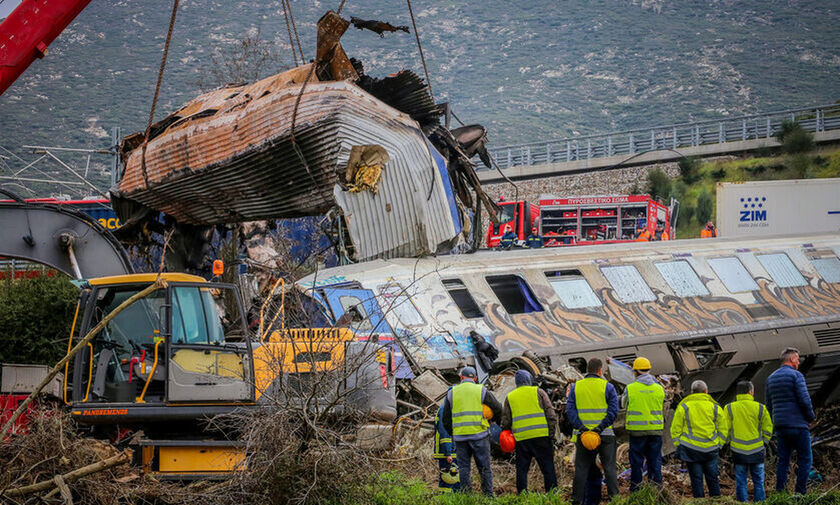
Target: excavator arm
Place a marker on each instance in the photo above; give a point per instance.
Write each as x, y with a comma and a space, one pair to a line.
28, 32
61, 238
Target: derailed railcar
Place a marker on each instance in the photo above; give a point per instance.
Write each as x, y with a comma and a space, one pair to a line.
719, 310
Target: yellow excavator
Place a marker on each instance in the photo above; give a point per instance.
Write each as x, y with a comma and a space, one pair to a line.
174, 359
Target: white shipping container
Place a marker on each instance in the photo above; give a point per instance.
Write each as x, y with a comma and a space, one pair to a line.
23, 379
748, 209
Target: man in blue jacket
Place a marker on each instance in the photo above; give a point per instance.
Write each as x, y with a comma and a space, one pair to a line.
788, 401
592, 404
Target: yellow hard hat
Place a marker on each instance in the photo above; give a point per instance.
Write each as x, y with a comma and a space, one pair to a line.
590, 439
641, 364
488, 413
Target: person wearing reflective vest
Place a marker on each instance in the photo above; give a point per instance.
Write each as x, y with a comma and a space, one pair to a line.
444, 452
508, 239
699, 431
645, 400
592, 405
463, 417
749, 427
529, 414
534, 240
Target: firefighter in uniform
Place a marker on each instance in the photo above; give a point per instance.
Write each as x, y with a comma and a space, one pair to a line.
750, 425
529, 414
534, 240
645, 399
592, 406
709, 231
699, 430
463, 417
508, 238
445, 454
643, 235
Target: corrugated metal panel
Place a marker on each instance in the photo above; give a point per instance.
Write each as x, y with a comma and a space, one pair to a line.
398, 220
240, 165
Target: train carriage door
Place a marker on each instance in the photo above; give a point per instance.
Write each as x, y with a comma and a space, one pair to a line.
209, 352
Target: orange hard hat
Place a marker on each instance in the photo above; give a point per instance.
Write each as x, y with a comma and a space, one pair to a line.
590, 439
488, 413
506, 441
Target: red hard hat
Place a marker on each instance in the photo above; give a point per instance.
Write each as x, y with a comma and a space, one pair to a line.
506, 441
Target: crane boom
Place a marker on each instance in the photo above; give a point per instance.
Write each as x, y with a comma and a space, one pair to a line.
28, 32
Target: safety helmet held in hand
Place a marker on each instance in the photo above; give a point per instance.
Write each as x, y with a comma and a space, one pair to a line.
506, 441
641, 364
487, 412
590, 439
450, 475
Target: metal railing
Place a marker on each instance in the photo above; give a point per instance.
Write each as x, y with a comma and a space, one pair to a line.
670, 137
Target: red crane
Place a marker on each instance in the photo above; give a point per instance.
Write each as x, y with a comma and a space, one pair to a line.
28, 32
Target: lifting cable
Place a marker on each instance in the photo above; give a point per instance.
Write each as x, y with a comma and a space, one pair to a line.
291, 18
157, 91
286, 14
340, 6
420, 48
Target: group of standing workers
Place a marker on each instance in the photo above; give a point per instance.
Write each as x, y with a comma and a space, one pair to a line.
700, 429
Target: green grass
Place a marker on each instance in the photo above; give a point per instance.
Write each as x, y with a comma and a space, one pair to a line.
394, 488
760, 168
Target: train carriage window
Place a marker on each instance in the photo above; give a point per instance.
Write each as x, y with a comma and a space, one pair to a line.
462, 298
628, 284
396, 299
782, 270
828, 268
682, 278
733, 274
514, 294
572, 289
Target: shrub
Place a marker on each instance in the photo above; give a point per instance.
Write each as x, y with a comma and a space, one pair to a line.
689, 170
658, 184
686, 213
719, 174
801, 166
705, 207
35, 318
794, 138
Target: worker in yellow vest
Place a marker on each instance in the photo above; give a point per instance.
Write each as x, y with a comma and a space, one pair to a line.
645, 402
463, 417
699, 431
750, 425
529, 414
592, 406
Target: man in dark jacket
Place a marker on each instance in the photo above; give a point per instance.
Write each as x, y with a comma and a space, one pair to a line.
789, 403
592, 404
529, 413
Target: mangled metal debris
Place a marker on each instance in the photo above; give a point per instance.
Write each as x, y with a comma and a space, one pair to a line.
309, 141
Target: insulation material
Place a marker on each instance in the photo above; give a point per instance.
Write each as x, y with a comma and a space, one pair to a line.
364, 168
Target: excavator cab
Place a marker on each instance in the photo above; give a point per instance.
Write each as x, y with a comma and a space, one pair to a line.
181, 350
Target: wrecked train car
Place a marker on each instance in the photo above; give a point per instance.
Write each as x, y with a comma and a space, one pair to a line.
717, 310
321, 138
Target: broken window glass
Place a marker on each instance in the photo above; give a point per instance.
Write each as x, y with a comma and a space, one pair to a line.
828, 268
682, 278
628, 284
514, 294
572, 289
733, 274
395, 299
782, 270
462, 298
357, 316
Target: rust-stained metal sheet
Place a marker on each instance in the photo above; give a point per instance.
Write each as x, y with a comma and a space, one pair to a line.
227, 157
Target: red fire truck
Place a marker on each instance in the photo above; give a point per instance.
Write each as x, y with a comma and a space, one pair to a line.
585, 219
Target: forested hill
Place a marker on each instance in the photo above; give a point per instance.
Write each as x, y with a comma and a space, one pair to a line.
526, 70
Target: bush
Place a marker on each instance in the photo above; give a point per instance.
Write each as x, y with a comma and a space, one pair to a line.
705, 207
35, 318
719, 174
794, 138
658, 184
689, 170
686, 213
801, 166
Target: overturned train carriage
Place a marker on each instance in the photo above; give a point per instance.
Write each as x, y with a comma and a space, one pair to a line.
278, 149
717, 310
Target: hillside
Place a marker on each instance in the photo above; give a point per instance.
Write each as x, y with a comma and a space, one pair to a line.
526, 70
